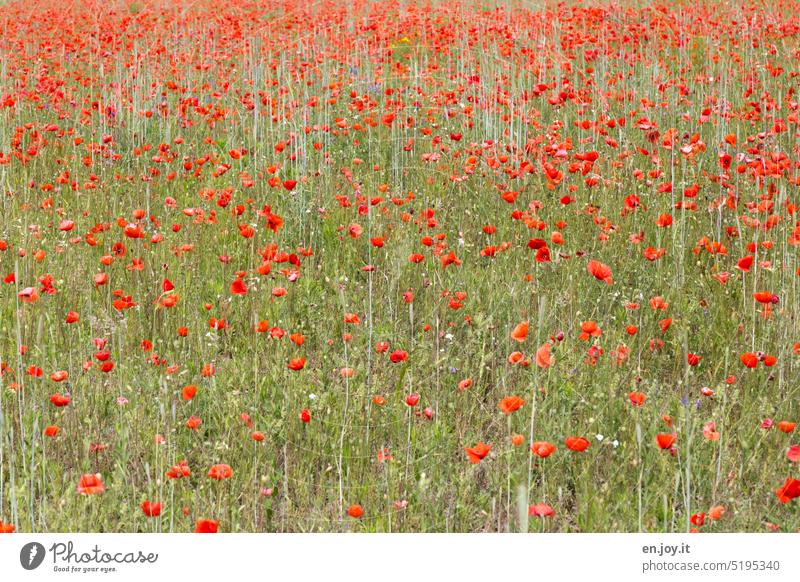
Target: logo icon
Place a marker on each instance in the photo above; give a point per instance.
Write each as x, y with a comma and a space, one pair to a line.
31, 555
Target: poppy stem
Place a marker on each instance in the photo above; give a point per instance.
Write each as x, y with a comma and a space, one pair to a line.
641, 468
408, 444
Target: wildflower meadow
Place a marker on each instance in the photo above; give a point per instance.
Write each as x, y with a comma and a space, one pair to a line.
399, 266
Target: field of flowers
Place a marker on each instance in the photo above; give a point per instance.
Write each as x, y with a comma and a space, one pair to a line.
397, 266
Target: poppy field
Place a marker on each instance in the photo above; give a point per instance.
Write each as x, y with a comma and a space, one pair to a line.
367, 266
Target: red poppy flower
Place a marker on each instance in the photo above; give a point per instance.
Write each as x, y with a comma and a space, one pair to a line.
577, 444
60, 400
789, 490
477, 453
637, 398
151, 509
296, 364
543, 449
179, 471
541, 510
520, 332
220, 471
91, 484
398, 356
59, 376
666, 440
355, 511
412, 399
544, 358
600, 271
206, 526
510, 404
765, 297
750, 360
